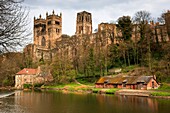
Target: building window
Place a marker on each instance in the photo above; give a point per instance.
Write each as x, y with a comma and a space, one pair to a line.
80, 29
43, 42
56, 22
82, 18
49, 22
57, 30
152, 84
49, 31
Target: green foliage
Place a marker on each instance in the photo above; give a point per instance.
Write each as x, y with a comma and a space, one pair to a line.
111, 91
107, 91
88, 80
96, 90
160, 93
5, 82
38, 85
129, 68
27, 86
164, 86
125, 25
70, 86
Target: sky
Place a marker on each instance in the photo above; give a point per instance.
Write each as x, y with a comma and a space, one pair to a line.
102, 10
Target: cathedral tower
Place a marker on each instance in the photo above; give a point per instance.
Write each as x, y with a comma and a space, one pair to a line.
167, 22
46, 33
84, 23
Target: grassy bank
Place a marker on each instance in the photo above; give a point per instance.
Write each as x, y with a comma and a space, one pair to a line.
163, 90
160, 93
81, 88
105, 91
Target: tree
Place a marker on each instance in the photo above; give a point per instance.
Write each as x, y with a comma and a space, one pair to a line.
161, 19
141, 19
13, 24
10, 64
125, 25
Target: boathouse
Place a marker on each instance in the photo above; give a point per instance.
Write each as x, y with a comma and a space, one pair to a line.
127, 82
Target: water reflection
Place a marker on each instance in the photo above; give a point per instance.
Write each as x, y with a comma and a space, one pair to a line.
130, 104
57, 102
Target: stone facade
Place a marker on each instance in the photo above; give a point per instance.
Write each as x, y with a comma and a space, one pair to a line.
167, 22
32, 76
110, 31
84, 23
46, 33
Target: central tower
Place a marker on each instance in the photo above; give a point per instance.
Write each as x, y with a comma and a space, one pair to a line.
84, 23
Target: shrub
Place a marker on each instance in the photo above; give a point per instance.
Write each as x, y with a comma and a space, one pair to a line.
27, 86
38, 85
5, 82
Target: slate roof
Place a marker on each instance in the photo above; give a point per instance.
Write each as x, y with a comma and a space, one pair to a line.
27, 71
124, 79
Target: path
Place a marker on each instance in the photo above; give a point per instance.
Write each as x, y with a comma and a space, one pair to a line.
130, 92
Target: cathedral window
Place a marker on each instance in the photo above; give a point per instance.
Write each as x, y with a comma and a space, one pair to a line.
82, 18
49, 22
57, 30
37, 32
49, 31
43, 42
56, 22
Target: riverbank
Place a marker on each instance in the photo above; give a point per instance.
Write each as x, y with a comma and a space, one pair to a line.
91, 89
81, 88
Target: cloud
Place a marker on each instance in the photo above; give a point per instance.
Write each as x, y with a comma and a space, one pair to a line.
102, 10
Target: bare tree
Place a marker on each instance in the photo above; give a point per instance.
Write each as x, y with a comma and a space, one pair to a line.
142, 18
161, 19
13, 24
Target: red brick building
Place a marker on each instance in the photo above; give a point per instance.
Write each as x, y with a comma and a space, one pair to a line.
128, 82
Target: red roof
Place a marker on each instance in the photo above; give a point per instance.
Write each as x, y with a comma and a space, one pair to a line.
27, 71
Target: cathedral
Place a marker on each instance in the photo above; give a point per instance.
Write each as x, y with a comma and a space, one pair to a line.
48, 34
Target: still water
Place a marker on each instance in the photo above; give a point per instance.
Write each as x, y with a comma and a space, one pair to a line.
58, 102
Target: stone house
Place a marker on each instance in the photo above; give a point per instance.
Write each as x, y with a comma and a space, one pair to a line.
31, 76
128, 82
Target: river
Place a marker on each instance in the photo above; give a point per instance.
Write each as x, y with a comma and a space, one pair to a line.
58, 102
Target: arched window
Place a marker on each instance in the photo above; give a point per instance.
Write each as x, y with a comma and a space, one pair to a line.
43, 42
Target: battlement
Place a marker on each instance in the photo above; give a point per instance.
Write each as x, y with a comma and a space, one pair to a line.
52, 16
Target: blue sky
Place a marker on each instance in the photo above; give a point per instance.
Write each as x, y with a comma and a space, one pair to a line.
102, 10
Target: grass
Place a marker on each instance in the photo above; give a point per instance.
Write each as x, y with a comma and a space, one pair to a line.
71, 85
111, 91
160, 93
107, 91
164, 86
96, 90
163, 90
84, 88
